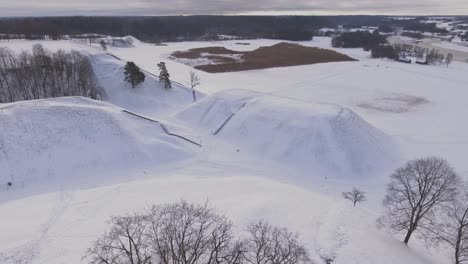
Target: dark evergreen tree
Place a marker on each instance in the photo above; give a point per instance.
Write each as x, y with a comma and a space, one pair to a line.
133, 74
164, 76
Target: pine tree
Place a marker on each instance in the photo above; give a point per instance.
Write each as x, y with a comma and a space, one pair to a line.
133, 74
164, 76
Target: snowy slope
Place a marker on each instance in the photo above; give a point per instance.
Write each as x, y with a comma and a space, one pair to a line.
72, 140
327, 140
149, 97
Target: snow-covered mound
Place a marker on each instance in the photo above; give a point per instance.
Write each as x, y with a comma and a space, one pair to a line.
65, 140
320, 139
133, 40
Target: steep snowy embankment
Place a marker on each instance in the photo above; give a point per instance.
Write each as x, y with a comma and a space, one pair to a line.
324, 139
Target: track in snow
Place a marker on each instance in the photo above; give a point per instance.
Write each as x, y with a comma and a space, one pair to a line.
26, 253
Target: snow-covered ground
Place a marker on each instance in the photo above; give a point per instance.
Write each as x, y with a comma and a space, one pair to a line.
453, 46
90, 160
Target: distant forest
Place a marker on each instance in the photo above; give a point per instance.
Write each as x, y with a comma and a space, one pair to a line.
181, 28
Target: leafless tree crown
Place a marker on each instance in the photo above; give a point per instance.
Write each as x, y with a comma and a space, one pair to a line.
183, 233
451, 227
355, 196
416, 191
124, 243
274, 245
194, 82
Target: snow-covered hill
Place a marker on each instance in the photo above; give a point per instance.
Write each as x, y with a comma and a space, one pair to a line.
72, 140
325, 139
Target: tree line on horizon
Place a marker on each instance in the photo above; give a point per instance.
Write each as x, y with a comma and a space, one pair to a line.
170, 28
183, 28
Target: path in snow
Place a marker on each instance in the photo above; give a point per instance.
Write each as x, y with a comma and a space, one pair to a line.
26, 253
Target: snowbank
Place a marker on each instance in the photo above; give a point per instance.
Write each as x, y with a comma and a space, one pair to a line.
67, 140
320, 139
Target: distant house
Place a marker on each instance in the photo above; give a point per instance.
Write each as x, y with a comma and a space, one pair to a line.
422, 61
404, 60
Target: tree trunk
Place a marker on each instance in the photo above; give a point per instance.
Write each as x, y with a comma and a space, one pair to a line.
458, 245
408, 236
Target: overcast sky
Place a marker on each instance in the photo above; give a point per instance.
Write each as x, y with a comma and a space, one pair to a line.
270, 7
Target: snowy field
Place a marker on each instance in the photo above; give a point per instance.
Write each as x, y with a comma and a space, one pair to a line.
278, 144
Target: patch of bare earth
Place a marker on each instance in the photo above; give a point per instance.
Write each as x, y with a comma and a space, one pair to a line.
394, 104
279, 55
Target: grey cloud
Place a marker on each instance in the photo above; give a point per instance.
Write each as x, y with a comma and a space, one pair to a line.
187, 7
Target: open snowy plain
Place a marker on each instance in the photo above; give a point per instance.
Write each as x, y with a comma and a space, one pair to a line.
279, 144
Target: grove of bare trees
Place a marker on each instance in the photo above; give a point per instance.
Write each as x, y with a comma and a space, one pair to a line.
43, 74
422, 55
184, 233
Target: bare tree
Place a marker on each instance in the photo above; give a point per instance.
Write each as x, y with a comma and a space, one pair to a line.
103, 45
415, 193
448, 59
124, 243
355, 196
183, 233
194, 82
274, 245
452, 227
